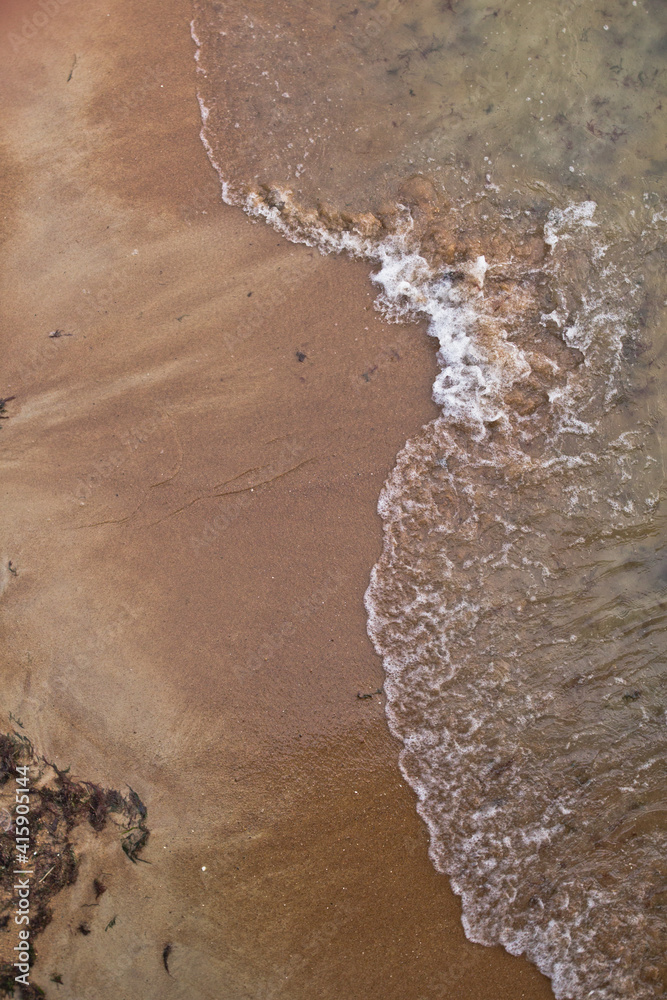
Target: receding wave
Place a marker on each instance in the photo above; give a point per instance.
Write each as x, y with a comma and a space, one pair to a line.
521, 598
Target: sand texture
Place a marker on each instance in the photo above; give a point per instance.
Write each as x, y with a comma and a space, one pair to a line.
190, 512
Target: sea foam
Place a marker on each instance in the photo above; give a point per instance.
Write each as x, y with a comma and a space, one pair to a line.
516, 622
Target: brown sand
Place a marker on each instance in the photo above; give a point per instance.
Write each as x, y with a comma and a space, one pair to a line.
191, 510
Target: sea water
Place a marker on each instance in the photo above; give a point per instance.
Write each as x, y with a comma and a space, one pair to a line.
502, 168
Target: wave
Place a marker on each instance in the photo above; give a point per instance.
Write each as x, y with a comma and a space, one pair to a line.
520, 597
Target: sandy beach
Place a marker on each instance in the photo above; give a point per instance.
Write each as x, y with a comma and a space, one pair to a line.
190, 476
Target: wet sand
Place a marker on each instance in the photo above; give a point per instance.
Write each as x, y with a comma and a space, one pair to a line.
191, 512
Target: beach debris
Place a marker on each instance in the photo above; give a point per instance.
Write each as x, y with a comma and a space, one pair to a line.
46, 874
137, 803
59, 333
112, 923
57, 978
99, 888
300, 356
166, 952
363, 697
12, 568
134, 841
71, 72
3, 403
58, 804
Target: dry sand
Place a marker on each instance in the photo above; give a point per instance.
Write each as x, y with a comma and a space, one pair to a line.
191, 510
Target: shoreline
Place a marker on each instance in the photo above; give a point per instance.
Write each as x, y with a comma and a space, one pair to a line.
191, 509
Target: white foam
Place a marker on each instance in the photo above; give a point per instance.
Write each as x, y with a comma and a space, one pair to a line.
560, 220
426, 649
475, 376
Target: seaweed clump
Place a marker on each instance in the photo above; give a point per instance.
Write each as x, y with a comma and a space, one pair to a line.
58, 804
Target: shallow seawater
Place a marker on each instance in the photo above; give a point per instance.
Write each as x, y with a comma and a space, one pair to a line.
502, 167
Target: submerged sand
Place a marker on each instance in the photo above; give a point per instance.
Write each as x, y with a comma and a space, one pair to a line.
191, 512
